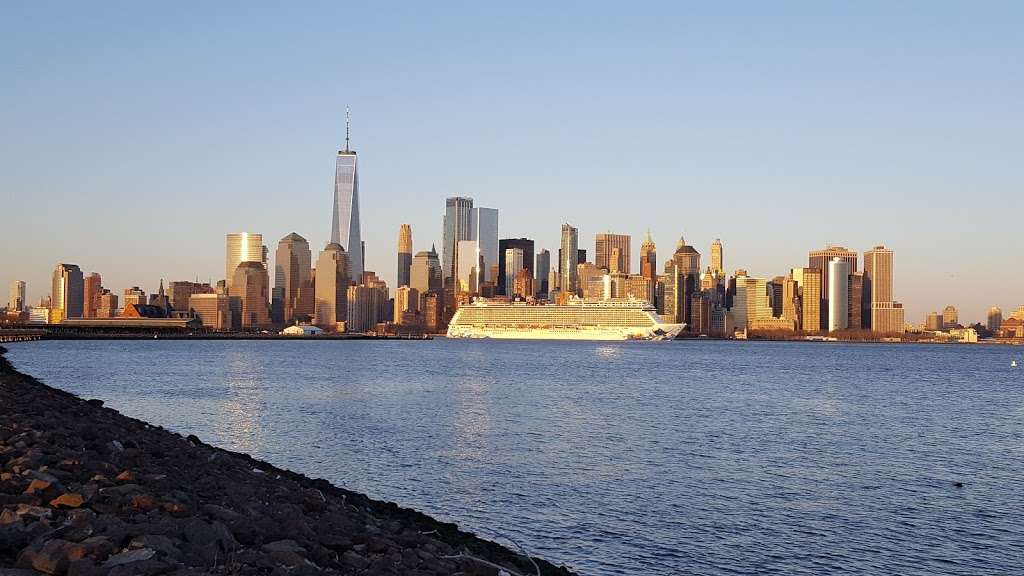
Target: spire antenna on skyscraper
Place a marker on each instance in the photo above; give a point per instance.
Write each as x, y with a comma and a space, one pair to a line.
348, 126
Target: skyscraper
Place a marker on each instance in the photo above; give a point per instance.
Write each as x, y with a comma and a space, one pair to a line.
332, 282
568, 259
878, 292
717, 261
750, 304
878, 273
404, 254
855, 302
241, 247
16, 296
91, 290
68, 291
839, 295
293, 282
686, 270
108, 305
820, 259
810, 298
365, 304
950, 317
524, 244
541, 271
250, 288
513, 258
407, 303
458, 219
468, 267
182, 291
484, 230
995, 318
649, 259
345, 224
134, 296
425, 272
604, 244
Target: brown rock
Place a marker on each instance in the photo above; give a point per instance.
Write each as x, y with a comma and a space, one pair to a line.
29, 511
126, 476
8, 516
98, 547
143, 502
37, 486
52, 558
176, 509
69, 500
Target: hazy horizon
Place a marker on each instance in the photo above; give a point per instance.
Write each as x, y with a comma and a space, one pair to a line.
138, 136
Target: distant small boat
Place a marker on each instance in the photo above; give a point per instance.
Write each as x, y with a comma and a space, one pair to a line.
1013, 364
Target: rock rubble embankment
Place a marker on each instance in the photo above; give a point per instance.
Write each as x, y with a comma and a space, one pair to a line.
87, 491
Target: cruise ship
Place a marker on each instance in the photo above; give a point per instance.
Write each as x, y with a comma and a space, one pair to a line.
614, 319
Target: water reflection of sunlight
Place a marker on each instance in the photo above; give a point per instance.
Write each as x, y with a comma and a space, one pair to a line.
239, 422
821, 405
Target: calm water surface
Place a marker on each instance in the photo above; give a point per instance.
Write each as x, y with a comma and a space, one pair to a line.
625, 458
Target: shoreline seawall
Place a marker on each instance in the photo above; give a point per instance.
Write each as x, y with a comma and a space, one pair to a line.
85, 490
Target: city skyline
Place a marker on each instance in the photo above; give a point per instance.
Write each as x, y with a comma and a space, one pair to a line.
904, 136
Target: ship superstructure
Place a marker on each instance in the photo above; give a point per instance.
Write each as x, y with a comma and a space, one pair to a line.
611, 319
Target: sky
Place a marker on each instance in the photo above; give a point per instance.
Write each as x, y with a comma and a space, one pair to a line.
135, 135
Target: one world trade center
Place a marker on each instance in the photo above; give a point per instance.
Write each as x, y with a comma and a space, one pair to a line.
345, 224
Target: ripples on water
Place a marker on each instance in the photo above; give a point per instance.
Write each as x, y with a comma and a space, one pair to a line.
625, 458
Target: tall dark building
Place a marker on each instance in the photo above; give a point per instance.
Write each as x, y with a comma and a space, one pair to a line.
524, 244
404, 254
686, 268
541, 270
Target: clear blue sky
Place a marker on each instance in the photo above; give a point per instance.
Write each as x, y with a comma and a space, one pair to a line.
136, 134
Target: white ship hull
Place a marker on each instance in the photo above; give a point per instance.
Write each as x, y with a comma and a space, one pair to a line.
666, 332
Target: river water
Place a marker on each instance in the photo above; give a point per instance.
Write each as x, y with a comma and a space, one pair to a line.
696, 457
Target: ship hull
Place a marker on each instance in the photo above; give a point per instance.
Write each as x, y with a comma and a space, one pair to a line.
663, 332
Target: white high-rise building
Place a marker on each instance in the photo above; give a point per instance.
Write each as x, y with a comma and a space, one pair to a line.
838, 295
345, 224
458, 220
468, 266
484, 229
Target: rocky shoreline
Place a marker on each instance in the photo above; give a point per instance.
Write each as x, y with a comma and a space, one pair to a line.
85, 490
